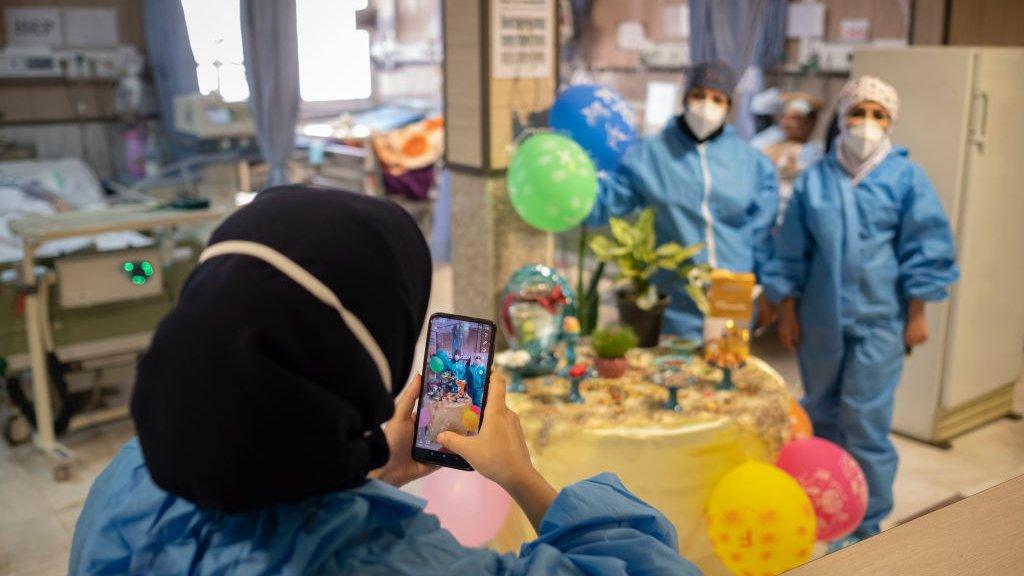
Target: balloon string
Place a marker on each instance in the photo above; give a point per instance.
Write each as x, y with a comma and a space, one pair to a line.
511, 147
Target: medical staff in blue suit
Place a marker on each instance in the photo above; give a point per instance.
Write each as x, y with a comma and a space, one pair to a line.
706, 185
864, 244
475, 382
275, 439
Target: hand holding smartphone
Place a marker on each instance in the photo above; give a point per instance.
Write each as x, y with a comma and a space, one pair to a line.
456, 370
451, 408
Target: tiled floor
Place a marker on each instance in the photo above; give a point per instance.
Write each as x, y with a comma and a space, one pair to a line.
37, 515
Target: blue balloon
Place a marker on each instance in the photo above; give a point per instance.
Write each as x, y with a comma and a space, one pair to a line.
598, 119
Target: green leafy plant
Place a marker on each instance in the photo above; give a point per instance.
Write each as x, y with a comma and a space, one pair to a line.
613, 341
586, 294
634, 251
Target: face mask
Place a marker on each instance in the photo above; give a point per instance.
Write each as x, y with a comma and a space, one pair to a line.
863, 139
704, 117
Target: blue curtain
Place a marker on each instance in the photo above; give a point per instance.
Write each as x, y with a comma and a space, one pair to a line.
749, 35
441, 228
771, 41
171, 61
271, 50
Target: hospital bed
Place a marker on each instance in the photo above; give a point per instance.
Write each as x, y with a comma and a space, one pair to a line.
80, 297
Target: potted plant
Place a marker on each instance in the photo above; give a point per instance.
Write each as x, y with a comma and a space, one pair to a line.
610, 345
633, 250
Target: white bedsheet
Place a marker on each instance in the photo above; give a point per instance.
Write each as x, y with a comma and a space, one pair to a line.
76, 184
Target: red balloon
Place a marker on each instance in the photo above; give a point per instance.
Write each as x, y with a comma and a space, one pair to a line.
833, 481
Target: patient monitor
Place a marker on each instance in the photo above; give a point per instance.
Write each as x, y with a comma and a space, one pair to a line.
208, 117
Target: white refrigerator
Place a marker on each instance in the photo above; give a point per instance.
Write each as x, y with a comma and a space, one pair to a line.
962, 117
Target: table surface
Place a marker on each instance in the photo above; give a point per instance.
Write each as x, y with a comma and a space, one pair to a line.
672, 460
69, 224
980, 535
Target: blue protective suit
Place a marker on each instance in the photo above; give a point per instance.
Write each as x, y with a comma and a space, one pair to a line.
130, 526
854, 257
458, 368
721, 192
475, 383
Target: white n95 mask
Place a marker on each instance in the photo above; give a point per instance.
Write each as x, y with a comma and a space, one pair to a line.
862, 140
704, 117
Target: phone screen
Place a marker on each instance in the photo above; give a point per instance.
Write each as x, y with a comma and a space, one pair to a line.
456, 367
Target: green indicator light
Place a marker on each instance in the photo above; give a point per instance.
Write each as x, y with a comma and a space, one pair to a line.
138, 272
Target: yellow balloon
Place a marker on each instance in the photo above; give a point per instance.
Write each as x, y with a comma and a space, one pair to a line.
760, 521
470, 420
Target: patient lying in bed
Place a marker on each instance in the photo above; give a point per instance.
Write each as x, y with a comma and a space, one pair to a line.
44, 187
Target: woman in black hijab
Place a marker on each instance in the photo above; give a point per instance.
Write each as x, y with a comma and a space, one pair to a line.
259, 409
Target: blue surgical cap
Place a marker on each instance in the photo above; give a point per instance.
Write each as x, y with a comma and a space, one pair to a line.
715, 74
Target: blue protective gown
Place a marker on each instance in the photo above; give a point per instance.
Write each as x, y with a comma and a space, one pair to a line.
475, 383
722, 193
130, 526
459, 368
854, 257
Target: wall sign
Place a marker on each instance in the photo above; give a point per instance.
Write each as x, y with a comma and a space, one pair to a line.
522, 39
33, 26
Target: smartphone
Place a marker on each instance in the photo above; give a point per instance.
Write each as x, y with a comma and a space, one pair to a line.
456, 368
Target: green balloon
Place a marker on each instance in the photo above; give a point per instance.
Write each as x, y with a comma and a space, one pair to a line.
552, 182
436, 364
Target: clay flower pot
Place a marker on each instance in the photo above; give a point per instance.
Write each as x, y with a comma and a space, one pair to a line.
646, 323
611, 367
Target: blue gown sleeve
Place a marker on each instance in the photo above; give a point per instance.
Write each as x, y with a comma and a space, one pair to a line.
130, 526
595, 527
618, 192
602, 528
767, 200
786, 274
924, 245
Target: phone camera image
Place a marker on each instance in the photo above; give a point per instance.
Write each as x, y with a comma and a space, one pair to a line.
454, 380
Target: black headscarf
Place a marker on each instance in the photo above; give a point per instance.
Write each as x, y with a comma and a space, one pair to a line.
253, 391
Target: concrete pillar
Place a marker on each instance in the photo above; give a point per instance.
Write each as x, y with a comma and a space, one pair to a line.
489, 242
487, 105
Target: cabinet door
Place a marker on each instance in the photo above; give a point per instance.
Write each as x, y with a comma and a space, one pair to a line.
934, 88
987, 314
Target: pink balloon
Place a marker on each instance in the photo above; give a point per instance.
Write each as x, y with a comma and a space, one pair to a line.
468, 505
832, 479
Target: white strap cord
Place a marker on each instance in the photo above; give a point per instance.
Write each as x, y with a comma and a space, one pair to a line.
705, 207
311, 283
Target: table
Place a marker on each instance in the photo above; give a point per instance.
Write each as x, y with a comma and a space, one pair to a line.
979, 535
37, 230
670, 459
446, 415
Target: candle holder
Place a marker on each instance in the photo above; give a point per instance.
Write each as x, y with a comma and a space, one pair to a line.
673, 400
571, 335
515, 363
576, 374
571, 340
516, 384
726, 383
671, 375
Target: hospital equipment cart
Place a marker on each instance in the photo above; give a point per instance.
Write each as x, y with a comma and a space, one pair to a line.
37, 230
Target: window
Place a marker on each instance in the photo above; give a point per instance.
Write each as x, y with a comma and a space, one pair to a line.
215, 33
334, 57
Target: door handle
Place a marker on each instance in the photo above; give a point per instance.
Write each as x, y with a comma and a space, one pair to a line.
979, 128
